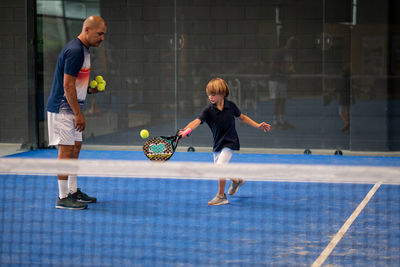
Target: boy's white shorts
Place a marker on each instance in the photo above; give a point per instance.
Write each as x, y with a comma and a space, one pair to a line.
223, 156
62, 130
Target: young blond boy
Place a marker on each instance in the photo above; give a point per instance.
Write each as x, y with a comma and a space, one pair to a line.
220, 116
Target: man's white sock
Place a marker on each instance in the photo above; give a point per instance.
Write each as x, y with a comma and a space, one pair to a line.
62, 188
72, 184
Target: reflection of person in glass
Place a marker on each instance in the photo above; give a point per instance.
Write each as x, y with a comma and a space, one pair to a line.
282, 67
344, 94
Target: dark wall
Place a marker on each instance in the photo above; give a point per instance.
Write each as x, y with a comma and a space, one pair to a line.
13, 72
157, 59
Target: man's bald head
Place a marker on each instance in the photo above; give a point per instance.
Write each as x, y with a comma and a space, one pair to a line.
93, 22
93, 30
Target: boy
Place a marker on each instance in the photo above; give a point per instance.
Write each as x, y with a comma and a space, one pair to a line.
220, 116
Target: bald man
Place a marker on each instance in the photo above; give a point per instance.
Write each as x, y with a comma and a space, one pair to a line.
64, 107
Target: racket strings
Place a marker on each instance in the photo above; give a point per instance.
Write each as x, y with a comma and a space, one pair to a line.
158, 148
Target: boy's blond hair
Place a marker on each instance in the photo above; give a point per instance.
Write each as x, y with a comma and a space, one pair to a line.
217, 86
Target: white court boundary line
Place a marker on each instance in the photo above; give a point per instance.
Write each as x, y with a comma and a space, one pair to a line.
342, 231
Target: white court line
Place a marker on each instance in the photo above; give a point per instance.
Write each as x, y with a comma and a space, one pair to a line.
335, 240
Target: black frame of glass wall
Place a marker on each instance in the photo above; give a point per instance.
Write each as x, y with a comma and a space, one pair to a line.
171, 34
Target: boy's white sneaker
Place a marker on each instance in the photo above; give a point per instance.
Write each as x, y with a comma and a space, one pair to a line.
235, 186
218, 200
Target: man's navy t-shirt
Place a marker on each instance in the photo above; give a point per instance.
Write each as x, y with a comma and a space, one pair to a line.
74, 60
222, 125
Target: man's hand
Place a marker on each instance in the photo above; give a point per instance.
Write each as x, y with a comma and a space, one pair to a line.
70, 95
80, 122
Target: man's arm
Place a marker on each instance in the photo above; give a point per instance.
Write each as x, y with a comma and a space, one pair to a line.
70, 94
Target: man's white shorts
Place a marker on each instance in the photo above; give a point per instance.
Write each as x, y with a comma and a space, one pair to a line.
62, 130
277, 89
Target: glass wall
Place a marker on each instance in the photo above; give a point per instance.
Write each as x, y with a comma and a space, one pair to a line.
317, 70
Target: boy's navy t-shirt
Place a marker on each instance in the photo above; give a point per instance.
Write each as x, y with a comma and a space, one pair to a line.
222, 125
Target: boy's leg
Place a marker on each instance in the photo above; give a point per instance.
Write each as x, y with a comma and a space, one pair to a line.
221, 157
224, 157
221, 186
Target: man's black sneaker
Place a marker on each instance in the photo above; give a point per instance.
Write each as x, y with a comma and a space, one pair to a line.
69, 203
82, 197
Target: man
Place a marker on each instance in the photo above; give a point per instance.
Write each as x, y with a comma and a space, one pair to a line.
64, 107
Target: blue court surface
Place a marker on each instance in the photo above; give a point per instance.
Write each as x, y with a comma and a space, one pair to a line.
167, 222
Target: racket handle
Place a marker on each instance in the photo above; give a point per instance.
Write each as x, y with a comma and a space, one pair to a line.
186, 132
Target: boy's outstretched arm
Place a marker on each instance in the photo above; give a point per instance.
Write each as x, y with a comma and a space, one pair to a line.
192, 125
262, 126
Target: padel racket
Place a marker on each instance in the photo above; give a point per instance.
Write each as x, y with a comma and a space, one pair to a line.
161, 148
